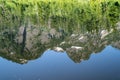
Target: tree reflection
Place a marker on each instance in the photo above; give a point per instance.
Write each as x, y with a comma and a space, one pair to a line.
27, 29
78, 46
94, 44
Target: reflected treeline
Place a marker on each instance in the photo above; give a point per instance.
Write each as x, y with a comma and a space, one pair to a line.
81, 47
28, 28
29, 42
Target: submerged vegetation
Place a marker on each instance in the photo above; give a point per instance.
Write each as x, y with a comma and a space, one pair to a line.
33, 26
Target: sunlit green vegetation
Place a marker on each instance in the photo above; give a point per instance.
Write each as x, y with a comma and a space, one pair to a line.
67, 14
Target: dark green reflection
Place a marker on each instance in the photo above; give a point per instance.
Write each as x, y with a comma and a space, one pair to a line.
27, 43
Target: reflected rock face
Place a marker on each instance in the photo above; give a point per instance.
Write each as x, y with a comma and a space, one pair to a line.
30, 42
27, 43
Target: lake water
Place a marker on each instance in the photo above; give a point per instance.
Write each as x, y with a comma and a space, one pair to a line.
53, 65
59, 40
29, 53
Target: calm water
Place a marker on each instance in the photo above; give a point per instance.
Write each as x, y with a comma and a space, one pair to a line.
58, 66
29, 53
76, 44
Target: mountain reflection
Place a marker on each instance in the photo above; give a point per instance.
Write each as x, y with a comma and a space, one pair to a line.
28, 43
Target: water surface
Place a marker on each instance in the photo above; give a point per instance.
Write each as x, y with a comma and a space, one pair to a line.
59, 40
58, 66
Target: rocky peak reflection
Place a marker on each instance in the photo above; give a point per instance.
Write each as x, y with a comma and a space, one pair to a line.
28, 43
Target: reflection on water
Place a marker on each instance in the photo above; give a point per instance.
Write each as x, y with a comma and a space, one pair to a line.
30, 42
53, 54
58, 66
71, 41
